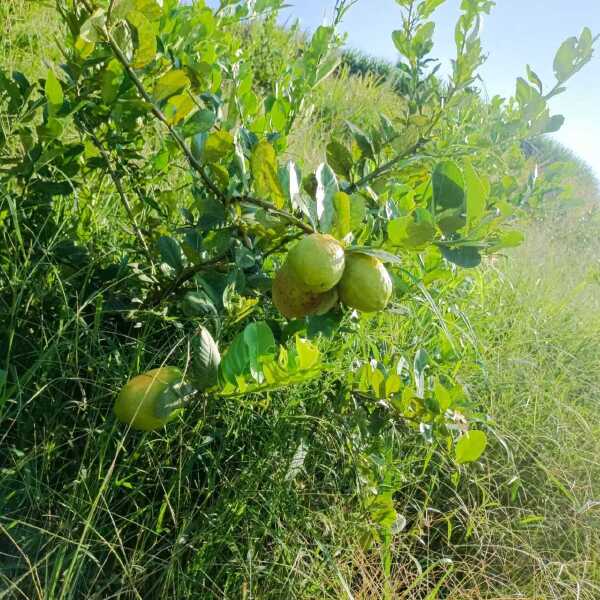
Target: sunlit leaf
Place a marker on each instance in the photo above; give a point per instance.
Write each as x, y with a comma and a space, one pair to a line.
327, 186
112, 79
146, 48
178, 108
54, 93
170, 84
341, 219
478, 190
470, 446
407, 233
263, 164
217, 146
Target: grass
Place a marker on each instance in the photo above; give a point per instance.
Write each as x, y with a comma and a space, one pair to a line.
260, 497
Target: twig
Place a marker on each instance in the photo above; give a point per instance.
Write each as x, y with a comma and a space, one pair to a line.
420, 142
161, 117
385, 167
194, 163
282, 244
184, 277
276, 211
121, 192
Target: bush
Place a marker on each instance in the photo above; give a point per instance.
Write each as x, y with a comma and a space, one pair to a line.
148, 200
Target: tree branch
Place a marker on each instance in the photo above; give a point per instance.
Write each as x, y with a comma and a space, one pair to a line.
290, 218
184, 277
197, 166
194, 163
122, 195
385, 167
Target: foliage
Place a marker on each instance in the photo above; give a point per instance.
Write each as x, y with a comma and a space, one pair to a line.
148, 189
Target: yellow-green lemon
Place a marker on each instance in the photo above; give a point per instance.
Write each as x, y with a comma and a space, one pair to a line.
366, 285
294, 300
137, 403
318, 261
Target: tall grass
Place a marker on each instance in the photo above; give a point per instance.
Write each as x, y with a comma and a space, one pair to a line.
259, 497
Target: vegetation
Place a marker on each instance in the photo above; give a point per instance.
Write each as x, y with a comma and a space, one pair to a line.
156, 182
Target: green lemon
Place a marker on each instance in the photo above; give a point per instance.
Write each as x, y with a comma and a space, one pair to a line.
294, 300
366, 285
136, 405
318, 261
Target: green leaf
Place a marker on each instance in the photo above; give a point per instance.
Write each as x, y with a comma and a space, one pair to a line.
149, 8
363, 141
290, 178
442, 395
279, 115
201, 121
327, 186
170, 252
263, 164
585, 45
260, 342
170, 84
478, 191
508, 239
320, 40
450, 221
196, 304
339, 158
420, 364
533, 78
235, 361
145, 42
205, 359
248, 353
524, 92
448, 185
358, 212
50, 130
112, 79
308, 354
91, 30
407, 233
422, 42
426, 8
401, 42
218, 145
470, 447
382, 510
467, 257
178, 108
341, 220
554, 124
54, 93
564, 61
326, 67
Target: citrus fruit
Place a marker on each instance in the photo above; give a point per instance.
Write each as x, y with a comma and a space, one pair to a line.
318, 261
366, 285
294, 300
136, 405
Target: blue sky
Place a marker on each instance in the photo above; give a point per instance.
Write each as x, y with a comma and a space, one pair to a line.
516, 33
